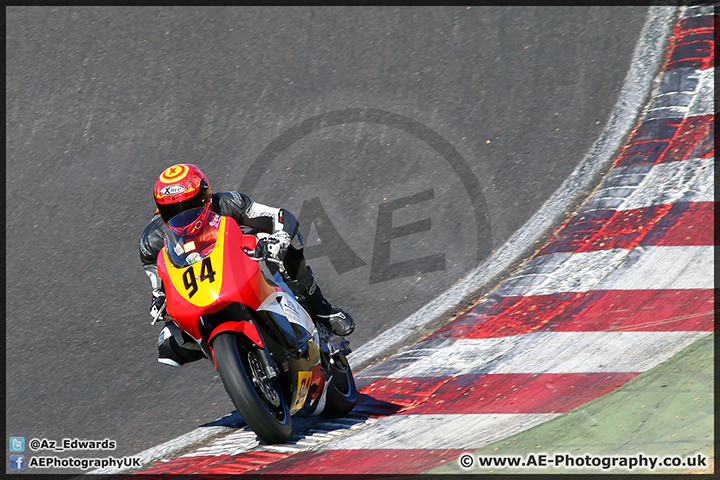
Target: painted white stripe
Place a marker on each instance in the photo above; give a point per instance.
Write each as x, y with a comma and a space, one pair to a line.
674, 182
438, 431
308, 432
642, 186
241, 441
704, 100
642, 268
545, 352
663, 268
685, 92
563, 272
678, 109
698, 10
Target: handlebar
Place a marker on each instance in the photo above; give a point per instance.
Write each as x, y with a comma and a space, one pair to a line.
251, 254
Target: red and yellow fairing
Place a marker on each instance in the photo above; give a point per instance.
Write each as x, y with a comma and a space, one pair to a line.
224, 276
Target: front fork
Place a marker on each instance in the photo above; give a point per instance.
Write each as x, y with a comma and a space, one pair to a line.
203, 344
267, 363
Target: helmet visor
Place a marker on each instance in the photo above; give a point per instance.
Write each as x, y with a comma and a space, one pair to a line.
171, 210
192, 235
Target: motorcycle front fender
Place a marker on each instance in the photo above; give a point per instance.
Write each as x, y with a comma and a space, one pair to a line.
245, 327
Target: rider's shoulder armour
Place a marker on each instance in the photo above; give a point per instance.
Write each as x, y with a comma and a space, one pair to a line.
231, 204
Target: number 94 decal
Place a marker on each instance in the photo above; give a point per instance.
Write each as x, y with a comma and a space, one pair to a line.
206, 273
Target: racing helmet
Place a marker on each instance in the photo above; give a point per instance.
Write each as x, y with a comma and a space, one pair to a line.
183, 188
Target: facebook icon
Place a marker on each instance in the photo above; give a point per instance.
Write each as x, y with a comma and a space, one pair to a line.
17, 462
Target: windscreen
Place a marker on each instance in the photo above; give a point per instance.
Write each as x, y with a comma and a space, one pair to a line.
185, 248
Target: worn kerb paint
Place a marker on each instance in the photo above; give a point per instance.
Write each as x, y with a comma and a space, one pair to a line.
489, 386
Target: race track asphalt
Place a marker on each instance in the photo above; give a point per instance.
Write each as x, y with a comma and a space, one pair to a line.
457, 122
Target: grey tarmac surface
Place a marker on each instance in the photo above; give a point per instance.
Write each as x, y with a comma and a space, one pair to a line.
410, 142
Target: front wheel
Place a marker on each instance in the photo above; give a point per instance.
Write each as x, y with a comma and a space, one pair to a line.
341, 393
259, 400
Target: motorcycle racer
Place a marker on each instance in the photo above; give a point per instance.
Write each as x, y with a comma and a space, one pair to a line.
185, 187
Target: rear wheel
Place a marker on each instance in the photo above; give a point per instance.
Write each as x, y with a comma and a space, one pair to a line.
341, 393
258, 399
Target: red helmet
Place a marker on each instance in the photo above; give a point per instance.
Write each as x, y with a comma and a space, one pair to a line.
181, 188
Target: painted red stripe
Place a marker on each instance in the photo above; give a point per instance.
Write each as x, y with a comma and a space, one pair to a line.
363, 462
494, 393
679, 224
182, 465
216, 465
685, 224
694, 23
693, 43
597, 310
695, 138
668, 140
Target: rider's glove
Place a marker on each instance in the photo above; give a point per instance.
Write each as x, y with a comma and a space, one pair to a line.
157, 306
270, 246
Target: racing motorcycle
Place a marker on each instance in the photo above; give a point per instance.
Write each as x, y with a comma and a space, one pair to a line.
273, 360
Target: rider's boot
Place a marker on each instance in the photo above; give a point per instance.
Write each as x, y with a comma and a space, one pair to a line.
176, 347
322, 311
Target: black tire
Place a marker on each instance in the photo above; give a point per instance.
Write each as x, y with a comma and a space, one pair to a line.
341, 393
260, 403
